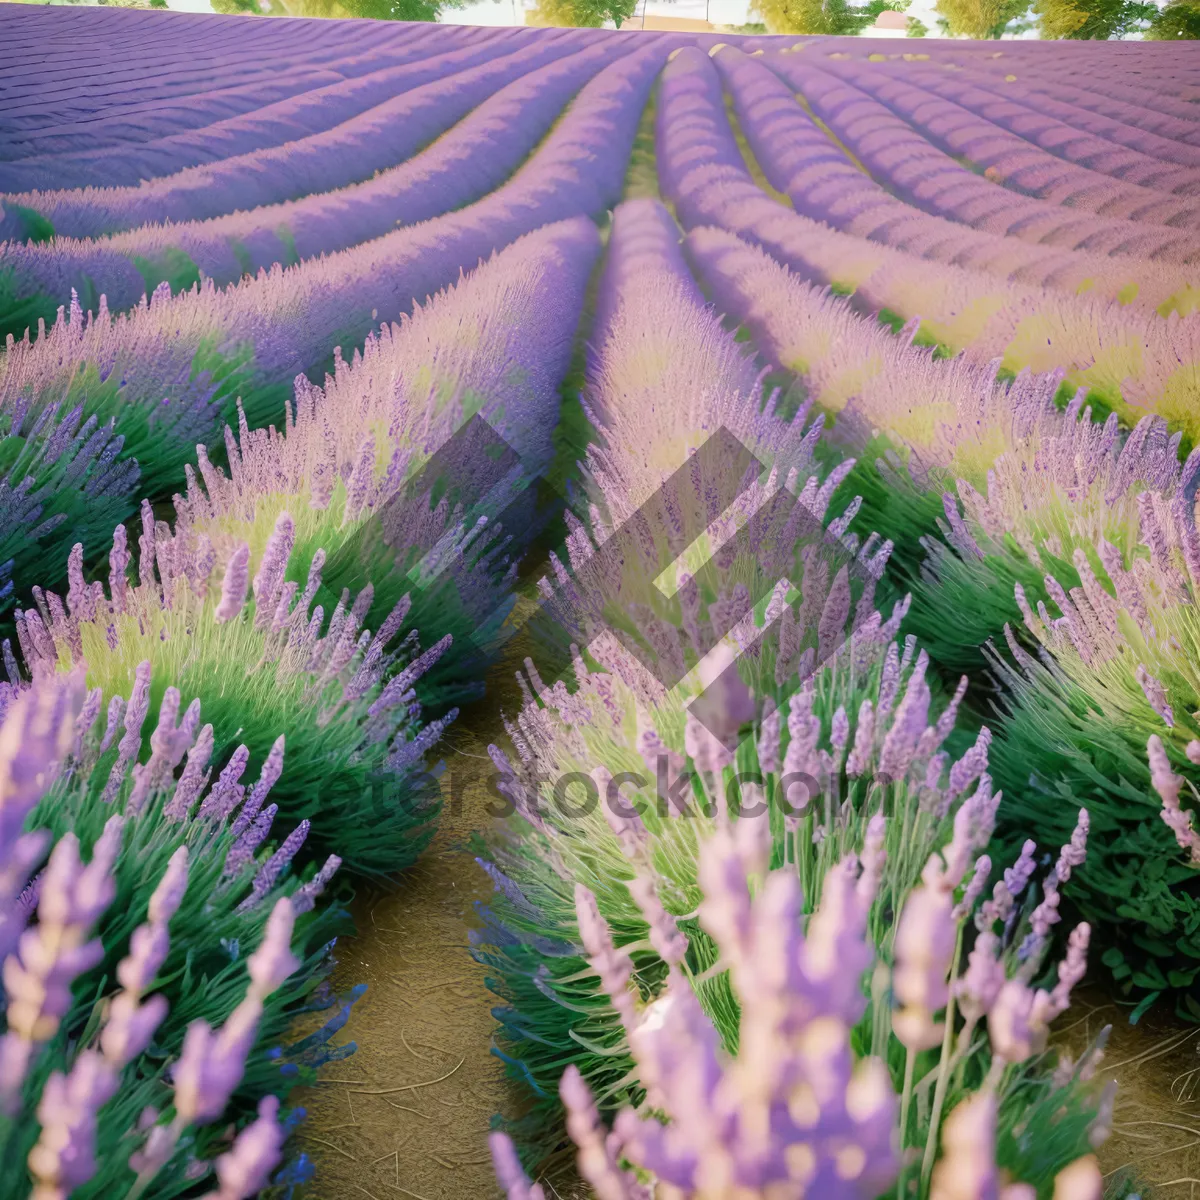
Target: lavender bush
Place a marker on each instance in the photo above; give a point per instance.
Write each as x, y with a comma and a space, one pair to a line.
891, 836
1106, 712
799, 1110
495, 347
105, 1089
269, 671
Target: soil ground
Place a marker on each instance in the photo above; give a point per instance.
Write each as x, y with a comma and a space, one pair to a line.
408, 1114
1155, 1143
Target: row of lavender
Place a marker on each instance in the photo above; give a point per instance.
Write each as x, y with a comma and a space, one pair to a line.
1041, 507
290, 623
764, 964
752, 932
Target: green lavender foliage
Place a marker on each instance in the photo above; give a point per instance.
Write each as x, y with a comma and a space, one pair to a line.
1062, 744
203, 978
554, 1011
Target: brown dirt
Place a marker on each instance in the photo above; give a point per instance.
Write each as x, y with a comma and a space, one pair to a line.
408, 1114
1155, 1142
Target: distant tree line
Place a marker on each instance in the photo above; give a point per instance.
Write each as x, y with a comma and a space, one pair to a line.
1092, 19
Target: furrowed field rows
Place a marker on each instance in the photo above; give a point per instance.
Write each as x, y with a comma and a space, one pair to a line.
1005, 158
791, 445
288, 120
181, 68
254, 339
1060, 129
353, 150
902, 159
703, 171
128, 126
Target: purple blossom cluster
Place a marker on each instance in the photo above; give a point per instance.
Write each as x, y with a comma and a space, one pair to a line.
56, 931
497, 345
334, 684
796, 1111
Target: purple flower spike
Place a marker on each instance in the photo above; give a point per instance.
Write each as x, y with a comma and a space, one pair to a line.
233, 589
923, 949
274, 961
269, 580
669, 942
65, 1155
614, 966
37, 730
131, 1023
246, 1169
210, 1065
1169, 785
511, 1177
1074, 852
1072, 968
56, 951
269, 873
304, 898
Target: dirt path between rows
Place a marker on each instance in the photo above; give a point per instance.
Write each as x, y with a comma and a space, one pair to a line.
408, 1114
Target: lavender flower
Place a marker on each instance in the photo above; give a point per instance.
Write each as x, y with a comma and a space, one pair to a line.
923, 948
1072, 968
669, 942
967, 1170
131, 1024
38, 977
233, 590
64, 1157
1169, 785
34, 734
210, 1065
612, 965
245, 1170
512, 1178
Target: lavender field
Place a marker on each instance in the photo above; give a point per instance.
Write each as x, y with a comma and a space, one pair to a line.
596, 612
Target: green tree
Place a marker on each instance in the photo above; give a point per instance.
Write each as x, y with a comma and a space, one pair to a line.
980, 18
586, 14
1092, 19
916, 28
1176, 19
823, 16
